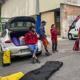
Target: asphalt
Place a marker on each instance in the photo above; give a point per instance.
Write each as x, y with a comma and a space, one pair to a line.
70, 59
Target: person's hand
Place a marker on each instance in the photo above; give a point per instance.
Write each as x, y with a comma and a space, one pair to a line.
38, 35
22, 37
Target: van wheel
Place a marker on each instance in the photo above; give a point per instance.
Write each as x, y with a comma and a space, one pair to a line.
70, 37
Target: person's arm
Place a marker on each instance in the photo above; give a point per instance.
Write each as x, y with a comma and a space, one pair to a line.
26, 38
41, 31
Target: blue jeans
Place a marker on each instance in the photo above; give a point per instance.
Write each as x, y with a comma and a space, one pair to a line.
33, 48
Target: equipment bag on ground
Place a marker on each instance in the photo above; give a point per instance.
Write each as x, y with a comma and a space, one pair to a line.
6, 58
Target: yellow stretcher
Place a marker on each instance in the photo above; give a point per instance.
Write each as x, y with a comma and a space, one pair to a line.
16, 76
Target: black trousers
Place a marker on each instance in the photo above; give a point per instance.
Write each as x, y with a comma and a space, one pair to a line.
54, 46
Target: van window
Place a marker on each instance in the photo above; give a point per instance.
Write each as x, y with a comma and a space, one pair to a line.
12, 25
21, 25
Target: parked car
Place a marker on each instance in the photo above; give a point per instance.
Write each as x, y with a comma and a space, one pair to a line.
73, 29
12, 30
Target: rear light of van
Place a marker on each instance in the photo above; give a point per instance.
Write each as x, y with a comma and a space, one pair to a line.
8, 41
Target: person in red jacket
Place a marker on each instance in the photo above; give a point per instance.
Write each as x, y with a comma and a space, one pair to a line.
53, 32
31, 40
79, 33
76, 44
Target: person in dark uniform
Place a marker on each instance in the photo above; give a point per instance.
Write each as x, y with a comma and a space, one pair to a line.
43, 37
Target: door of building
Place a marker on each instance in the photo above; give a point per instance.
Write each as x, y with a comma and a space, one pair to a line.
57, 20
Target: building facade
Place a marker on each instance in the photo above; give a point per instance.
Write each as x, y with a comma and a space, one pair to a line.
58, 12
13, 8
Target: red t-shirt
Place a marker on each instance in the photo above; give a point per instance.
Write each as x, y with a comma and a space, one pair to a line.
53, 32
31, 38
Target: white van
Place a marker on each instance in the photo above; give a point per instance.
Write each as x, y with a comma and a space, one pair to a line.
73, 30
12, 30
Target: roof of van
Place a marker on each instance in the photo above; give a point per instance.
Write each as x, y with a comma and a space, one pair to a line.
21, 18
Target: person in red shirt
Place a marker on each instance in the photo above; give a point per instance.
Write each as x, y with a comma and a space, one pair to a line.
76, 45
31, 40
79, 33
53, 32
77, 41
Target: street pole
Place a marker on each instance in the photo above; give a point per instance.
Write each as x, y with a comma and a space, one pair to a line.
37, 7
28, 7
38, 16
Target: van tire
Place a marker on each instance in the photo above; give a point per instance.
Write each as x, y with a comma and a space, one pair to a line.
70, 36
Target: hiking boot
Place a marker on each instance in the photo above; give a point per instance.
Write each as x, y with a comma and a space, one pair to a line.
47, 54
56, 50
33, 60
37, 60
